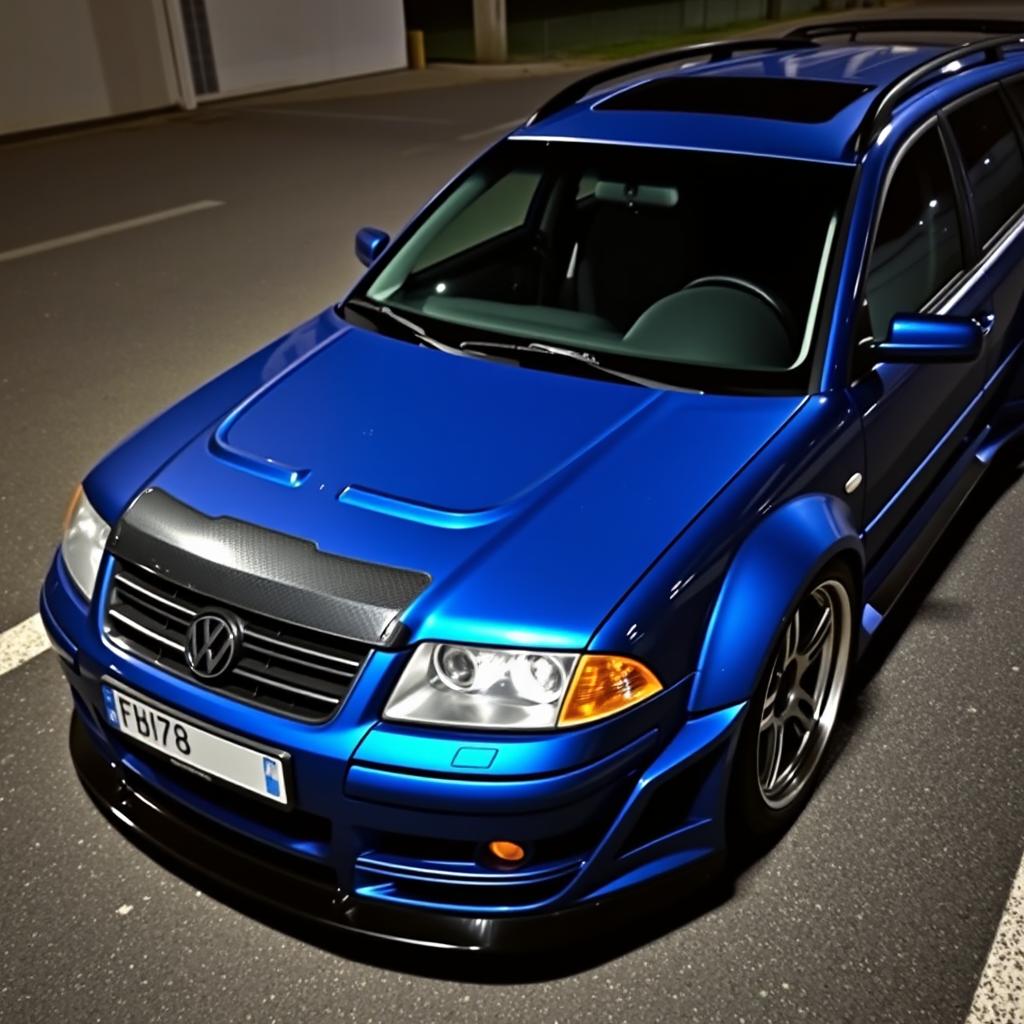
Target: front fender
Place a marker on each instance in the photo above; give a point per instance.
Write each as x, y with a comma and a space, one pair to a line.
762, 586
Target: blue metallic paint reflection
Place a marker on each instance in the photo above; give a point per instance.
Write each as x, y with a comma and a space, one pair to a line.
262, 465
370, 244
121, 475
675, 528
446, 519
568, 485
921, 338
774, 567
820, 448
398, 747
515, 796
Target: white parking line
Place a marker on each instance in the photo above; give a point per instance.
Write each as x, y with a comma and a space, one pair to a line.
999, 998
108, 229
22, 643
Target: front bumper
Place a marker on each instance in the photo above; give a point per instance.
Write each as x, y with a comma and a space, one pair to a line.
171, 832
385, 837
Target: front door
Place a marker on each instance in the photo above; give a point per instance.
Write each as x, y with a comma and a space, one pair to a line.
913, 416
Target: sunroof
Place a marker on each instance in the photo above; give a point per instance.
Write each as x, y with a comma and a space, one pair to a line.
806, 100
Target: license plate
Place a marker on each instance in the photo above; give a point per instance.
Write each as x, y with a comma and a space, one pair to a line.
204, 751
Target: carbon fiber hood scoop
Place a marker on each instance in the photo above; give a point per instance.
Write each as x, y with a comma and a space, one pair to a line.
266, 572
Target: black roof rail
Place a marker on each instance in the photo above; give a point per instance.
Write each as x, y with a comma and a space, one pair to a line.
880, 110
713, 51
893, 26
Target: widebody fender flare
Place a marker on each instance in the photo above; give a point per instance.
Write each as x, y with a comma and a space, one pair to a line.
767, 577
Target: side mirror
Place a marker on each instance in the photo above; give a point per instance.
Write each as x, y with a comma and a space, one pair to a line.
920, 338
370, 243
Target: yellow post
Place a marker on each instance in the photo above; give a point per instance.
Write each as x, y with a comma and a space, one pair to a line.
417, 50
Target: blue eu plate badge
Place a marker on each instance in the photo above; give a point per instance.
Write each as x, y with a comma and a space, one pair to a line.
109, 708
272, 776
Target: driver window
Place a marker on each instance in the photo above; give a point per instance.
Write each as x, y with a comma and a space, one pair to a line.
918, 247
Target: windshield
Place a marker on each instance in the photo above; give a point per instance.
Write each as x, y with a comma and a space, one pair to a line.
694, 269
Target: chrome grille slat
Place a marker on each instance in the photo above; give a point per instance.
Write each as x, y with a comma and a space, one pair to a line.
286, 676
127, 620
158, 611
282, 667
248, 645
265, 638
153, 595
267, 681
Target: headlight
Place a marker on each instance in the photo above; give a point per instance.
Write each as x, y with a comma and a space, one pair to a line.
448, 684
85, 536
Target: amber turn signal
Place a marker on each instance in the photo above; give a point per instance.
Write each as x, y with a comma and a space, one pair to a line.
72, 505
506, 852
604, 684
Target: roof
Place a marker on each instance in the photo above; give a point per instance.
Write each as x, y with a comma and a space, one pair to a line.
727, 117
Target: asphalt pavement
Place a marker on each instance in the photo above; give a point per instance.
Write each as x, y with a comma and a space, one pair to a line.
879, 905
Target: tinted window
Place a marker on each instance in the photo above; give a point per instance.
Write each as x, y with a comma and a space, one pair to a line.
917, 246
1016, 90
499, 208
992, 158
700, 269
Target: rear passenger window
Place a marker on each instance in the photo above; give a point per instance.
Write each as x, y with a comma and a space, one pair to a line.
992, 158
917, 245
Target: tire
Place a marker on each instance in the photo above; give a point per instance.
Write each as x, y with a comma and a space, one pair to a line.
789, 722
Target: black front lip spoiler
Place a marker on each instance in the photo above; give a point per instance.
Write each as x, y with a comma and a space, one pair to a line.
157, 828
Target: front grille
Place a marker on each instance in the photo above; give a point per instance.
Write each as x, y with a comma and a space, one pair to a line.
291, 670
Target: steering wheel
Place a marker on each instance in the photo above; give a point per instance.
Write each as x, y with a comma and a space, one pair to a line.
726, 281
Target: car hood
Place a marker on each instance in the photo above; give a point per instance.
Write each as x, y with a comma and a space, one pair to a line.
533, 499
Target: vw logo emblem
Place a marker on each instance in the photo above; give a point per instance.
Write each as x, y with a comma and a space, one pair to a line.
211, 644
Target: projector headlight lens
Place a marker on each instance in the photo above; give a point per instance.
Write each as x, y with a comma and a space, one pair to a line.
495, 688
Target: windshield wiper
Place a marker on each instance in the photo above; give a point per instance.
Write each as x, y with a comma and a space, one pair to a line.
576, 356
418, 333
484, 349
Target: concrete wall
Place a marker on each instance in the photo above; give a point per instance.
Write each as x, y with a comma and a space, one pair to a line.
263, 44
75, 60
64, 61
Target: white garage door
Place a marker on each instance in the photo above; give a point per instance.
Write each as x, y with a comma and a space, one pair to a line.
267, 44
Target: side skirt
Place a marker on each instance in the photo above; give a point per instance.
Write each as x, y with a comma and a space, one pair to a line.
892, 572
895, 568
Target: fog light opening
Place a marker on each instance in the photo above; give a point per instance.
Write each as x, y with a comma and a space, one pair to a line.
506, 853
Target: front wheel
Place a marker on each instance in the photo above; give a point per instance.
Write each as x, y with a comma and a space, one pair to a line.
793, 710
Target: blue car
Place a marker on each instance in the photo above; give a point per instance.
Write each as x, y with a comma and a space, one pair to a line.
520, 588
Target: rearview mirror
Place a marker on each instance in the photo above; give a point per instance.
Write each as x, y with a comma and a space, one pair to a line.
920, 338
370, 243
